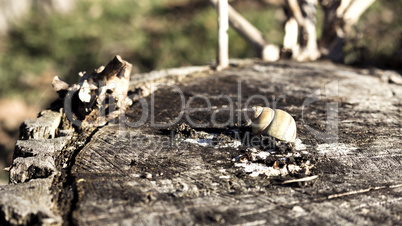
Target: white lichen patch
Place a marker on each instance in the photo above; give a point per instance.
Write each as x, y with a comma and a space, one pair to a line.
211, 140
234, 144
203, 139
201, 142
299, 145
335, 149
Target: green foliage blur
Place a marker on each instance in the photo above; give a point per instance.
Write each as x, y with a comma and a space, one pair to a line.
152, 35
376, 38
149, 34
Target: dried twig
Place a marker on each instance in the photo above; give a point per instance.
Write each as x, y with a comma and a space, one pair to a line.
304, 179
223, 38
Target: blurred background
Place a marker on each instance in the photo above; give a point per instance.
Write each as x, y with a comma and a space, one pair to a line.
43, 38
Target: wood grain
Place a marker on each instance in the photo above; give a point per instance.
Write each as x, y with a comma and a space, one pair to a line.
114, 175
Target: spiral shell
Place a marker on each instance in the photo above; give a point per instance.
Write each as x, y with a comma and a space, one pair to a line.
276, 123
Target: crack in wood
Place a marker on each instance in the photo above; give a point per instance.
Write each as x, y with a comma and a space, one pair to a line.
63, 186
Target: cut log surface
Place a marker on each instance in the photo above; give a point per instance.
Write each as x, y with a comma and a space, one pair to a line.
142, 174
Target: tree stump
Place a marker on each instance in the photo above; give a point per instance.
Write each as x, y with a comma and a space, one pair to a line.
176, 166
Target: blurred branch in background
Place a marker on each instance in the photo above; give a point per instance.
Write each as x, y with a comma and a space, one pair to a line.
43, 38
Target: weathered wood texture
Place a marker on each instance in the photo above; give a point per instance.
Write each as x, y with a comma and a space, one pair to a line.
200, 184
28, 204
117, 176
44, 127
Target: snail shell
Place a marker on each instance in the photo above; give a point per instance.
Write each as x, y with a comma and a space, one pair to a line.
276, 123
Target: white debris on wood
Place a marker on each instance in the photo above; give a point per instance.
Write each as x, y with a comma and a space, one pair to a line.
256, 169
299, 145
335, 149
208, 140
201, 142
251, 162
